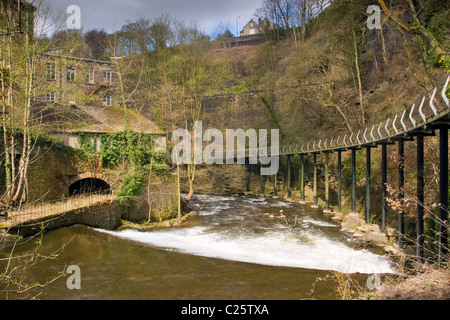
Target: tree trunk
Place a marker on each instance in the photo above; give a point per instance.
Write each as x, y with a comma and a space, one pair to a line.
358, 76
417, 29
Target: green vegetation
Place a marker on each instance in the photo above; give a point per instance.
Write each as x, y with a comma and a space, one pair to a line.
132, 150
131, 187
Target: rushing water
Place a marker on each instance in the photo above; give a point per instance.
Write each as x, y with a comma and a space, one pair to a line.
236, 248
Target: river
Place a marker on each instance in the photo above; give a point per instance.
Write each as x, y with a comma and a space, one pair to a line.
236, 248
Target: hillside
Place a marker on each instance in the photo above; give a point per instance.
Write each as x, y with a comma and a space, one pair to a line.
313, 86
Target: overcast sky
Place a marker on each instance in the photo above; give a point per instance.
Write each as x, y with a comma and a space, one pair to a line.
111, 15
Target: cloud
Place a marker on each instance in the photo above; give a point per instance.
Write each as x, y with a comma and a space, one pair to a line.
111, 15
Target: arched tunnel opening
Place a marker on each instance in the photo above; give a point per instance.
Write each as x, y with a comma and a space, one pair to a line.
89, 185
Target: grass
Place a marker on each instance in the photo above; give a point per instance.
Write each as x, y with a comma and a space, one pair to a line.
431, 284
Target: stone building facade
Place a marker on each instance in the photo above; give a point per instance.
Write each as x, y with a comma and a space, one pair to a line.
72, 81
255, 28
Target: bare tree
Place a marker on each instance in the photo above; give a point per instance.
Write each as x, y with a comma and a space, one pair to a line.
20, 52
96, 41
292, 16
21, 48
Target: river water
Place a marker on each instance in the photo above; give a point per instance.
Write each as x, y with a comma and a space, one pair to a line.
236, 248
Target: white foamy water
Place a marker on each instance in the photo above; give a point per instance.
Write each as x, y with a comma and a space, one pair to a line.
233, 228
273, 248
319, 223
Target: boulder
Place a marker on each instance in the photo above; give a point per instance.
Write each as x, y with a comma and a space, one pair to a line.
351, 221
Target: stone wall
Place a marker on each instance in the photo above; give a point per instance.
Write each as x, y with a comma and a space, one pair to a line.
105, 215
216, 180
49, 172
158, 201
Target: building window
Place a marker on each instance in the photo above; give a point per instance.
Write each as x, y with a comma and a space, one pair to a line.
107, 77
50, 96
90, 76
252, 31
70, 74
51, 71
107, 100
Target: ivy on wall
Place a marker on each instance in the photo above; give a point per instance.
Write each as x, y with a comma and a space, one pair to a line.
129, 148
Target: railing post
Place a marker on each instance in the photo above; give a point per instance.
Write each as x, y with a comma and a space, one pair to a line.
353, 180
302, 178
420, 196
443, 188
368, 183
401, 186
383, 185
289, 176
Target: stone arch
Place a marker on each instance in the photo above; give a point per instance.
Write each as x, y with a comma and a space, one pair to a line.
88, 183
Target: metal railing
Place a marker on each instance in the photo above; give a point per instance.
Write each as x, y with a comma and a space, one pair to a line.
400, 124
423, 112
41, 210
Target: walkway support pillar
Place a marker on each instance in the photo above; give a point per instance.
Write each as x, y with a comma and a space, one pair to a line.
275, 190
339, 191
289, 176
353, 180
443, 190
315, 180
401, 186
420, 196
383, 185
368, 183
302, 178
248, 173
327, 185
262, 183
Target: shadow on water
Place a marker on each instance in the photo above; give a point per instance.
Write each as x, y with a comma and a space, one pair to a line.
166, 265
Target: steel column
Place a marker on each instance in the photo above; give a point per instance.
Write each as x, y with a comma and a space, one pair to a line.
383, 185
401, 186
302, 178
339, 191
315, 179
443, 190
289, 176
275, 191
420, 196
327, 185
248, 173
353, 180
368, 173
262, 182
